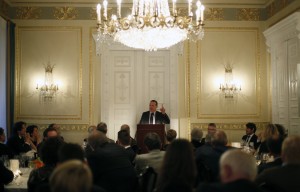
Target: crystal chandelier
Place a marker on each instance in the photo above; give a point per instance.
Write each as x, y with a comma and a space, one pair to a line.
150, 26
48, 90
229, 88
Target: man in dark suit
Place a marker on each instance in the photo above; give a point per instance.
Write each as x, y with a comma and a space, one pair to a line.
237, 172
20, 141
285, 177
155, 117
110, 165
250, 137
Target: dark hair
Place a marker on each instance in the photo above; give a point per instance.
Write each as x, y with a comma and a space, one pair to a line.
102, 127
251, 126
212, 124
18, 126
154, 101
45, 133
178, 166
274, 144
124, 137
51, 125
49, 150
281, 130
70, 151
152, 141
30, 129
1, 131
171, 135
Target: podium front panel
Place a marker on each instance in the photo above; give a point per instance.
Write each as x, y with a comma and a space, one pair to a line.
143, 129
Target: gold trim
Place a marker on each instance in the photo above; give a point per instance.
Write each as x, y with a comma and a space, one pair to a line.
64, 127
230, 126
188, 91
257, 78
17, 114
91, 75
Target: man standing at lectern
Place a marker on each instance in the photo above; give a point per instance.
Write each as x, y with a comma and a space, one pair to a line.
155, 117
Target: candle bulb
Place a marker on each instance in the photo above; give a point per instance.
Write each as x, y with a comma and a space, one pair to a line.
202, 8
105, 9
99, 14
119, 8
37, 86
190, 7
174, 7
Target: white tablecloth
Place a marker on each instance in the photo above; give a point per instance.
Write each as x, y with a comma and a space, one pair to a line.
20, 182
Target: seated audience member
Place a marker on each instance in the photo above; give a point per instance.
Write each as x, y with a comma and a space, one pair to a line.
178, 170
20, 141
285, 177
250, 138
48, 133
268, 132
4, 149
110, 165
155, 156
196, 137
70, 151
274, 145
58, 130
40, 176
170, 136
34, 135
124, 141
102, 127
133, 142
208, 156
6, 176
211, 129
90, 130
72, 176
281, 130
237, 172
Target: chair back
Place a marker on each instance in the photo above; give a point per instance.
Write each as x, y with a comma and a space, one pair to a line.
147, 180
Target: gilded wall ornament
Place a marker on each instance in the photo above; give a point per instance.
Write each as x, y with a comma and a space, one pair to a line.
65, 13
214, 14
248, 14
182, 11
28, 13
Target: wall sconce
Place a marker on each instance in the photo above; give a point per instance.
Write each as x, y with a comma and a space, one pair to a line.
48, 90
229, 88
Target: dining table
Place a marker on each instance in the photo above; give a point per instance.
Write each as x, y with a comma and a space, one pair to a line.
19, 183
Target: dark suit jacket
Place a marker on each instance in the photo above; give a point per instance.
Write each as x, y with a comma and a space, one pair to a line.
208, 156
112, 169
235, 186
6, 176
253, 139
284, 178
18, 145
5, 150
159, 118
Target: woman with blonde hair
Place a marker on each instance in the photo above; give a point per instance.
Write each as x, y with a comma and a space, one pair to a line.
72, 176
270, 131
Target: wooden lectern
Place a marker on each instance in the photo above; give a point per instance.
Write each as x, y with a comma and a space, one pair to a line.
143, 129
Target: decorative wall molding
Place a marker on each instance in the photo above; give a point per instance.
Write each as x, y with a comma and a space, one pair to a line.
230, 126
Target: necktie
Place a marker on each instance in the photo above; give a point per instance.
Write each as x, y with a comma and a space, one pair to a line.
151, 118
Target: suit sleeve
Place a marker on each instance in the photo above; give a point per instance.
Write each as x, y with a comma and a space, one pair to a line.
6, 175
165, 119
